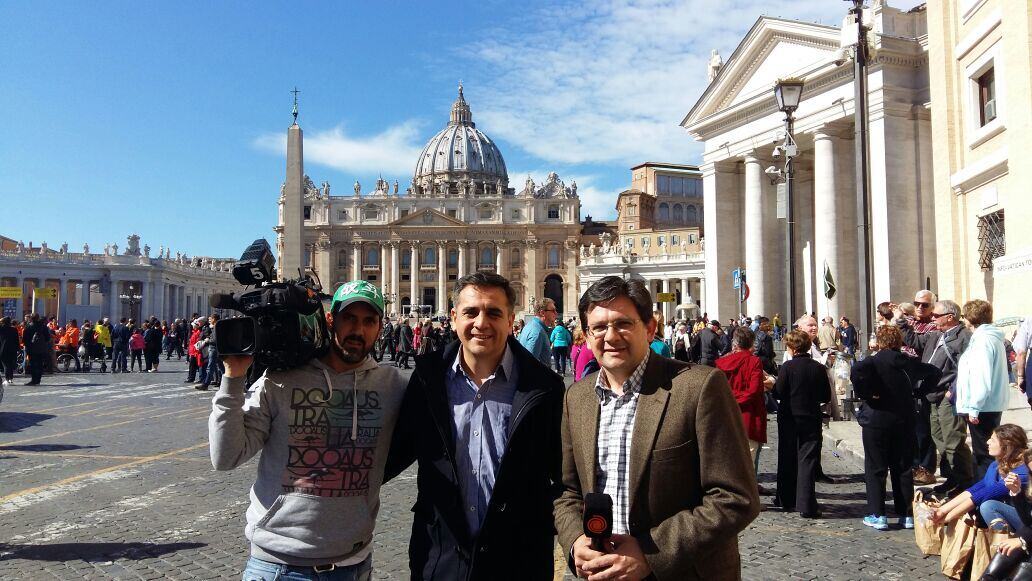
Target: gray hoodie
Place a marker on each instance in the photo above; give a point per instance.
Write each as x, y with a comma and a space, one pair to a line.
324, 438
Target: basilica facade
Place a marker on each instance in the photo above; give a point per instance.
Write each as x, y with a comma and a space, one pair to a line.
457, 214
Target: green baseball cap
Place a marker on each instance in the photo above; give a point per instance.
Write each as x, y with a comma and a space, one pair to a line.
357, 291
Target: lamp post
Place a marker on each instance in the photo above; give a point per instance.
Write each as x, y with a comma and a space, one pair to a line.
788, 93
863, 205
132, 299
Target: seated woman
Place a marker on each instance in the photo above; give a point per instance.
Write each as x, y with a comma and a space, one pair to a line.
1009, 446
1012, 560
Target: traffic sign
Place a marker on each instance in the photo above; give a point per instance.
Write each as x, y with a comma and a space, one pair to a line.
736, 278
10, 292
666, 297
745, 295
45, 293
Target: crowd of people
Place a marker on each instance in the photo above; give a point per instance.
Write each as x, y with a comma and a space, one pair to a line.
35, 345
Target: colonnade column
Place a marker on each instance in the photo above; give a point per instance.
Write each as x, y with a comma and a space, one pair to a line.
754, 229
825, 211
702, 294
62, 300
19, 309
395, 277
383, 268
84, 294
686, 292
531, 274
414, 274
114, 302
442, 277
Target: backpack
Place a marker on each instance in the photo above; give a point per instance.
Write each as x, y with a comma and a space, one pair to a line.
40, 340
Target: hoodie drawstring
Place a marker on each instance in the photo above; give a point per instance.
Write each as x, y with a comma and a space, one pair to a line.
354, 401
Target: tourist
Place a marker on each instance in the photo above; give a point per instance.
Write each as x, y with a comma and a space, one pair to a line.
535, 334
9, 346
847, 336
765, 346
37, 340
580, 354
406, 343
120, 336
193, 354
313, 527
560, 340
827, 336
982, 388
710, 343
801, 388
701, 490
885, 382
152, 339
137, 343
657, 344
492, 404
745, 376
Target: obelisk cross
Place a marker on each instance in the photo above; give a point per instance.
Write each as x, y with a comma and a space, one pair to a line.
295, 91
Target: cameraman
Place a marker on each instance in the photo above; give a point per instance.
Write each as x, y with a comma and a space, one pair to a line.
323, 429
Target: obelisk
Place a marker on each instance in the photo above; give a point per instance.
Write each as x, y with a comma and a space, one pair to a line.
292, 258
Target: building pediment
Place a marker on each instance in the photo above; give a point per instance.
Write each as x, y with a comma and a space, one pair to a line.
427, 217
774, 48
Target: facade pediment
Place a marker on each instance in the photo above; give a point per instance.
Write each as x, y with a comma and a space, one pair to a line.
773, 49
427, 217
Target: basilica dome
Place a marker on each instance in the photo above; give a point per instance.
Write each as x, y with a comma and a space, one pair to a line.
461, 153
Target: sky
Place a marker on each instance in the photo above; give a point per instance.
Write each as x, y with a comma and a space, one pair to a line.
169, 119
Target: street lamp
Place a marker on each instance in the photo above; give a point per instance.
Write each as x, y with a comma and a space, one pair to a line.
132, 299
788, 93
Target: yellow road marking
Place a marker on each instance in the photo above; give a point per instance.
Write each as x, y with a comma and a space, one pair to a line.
61, 407
86, 475
97, 456
119, 410
90, 429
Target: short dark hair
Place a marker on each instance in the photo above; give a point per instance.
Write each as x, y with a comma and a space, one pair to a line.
885, 310
744, 338
485, 280
613, 287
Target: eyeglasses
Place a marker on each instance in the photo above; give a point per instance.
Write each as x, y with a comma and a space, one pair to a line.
937, 315
922, 305
623, 327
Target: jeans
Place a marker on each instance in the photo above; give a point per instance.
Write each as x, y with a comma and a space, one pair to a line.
120, 361
258, 570
994, 509
213, 370
562, 357
980, 433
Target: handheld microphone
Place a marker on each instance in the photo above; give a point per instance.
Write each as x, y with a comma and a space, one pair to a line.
598, 519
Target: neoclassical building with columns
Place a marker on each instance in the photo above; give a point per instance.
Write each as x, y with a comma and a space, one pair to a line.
738, 120
455, 216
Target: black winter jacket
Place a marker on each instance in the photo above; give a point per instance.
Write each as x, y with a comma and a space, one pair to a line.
802, 387
885, 382
516, 539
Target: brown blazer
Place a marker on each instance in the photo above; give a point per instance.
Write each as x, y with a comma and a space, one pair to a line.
691, 477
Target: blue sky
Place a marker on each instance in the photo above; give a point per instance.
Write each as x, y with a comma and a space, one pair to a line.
168, 119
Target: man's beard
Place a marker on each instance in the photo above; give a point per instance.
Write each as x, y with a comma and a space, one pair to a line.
350, 356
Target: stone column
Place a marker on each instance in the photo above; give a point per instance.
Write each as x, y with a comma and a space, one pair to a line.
462, 257
572, 291
19, 309
395, 277
825, 212
723, 240
414, 274
686, 292
115, 303
702, 295
667, 310
498, 259
442, 278
356, 260
754, 229
84, 294
383, 268
324, 264
530, 276
62, 301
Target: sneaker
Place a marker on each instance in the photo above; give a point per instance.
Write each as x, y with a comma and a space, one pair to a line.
906, 522
877, 522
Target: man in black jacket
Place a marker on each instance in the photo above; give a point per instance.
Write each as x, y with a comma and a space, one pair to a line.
711, 346
38, 341
482, 419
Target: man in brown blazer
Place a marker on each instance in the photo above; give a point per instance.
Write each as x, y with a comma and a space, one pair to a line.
664, 440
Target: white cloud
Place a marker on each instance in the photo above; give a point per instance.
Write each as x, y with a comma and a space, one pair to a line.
610, 81
392, 151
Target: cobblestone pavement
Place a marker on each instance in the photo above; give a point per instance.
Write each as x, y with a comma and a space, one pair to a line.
107, 476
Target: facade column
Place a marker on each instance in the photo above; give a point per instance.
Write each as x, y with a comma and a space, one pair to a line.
356, 260
19, 309
414, 275
530, 275
702, 295
383, 268
825, 211
462, 257
114, 302
62, 301
686, 292
395, 277
84, 294
442, 277
722, 243
572, 290
754, 229
498, 258
324, 263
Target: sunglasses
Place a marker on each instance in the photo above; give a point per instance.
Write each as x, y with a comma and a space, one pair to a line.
937, 315
922, 305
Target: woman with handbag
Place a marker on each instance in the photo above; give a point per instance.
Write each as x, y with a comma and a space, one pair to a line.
885, 383
1013, 559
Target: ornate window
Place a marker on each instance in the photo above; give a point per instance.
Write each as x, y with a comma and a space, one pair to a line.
692, 216
485, 213
553, 256
342, 259
516, 214
553, 212
514, 258
632, 210
308, 212
664, 212
678, 214
453, 257
371, 213
987, 97
691, 239
487, 256
453, 213
991, 240
342, 215
661, 239
675, 239
406, 259
429, 255
372, 256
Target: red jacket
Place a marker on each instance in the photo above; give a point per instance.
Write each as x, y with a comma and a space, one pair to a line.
745, 374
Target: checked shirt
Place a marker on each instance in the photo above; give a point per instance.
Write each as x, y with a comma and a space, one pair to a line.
615, 430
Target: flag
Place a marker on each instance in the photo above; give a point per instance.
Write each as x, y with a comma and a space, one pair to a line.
829, 282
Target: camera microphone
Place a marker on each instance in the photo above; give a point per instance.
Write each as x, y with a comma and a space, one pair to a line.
223, 301
598, 519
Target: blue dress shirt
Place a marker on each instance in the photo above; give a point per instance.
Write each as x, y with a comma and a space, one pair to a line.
481, 418
535, 338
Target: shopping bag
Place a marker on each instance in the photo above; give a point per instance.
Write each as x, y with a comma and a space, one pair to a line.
987, 541
958, 544
927, 534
